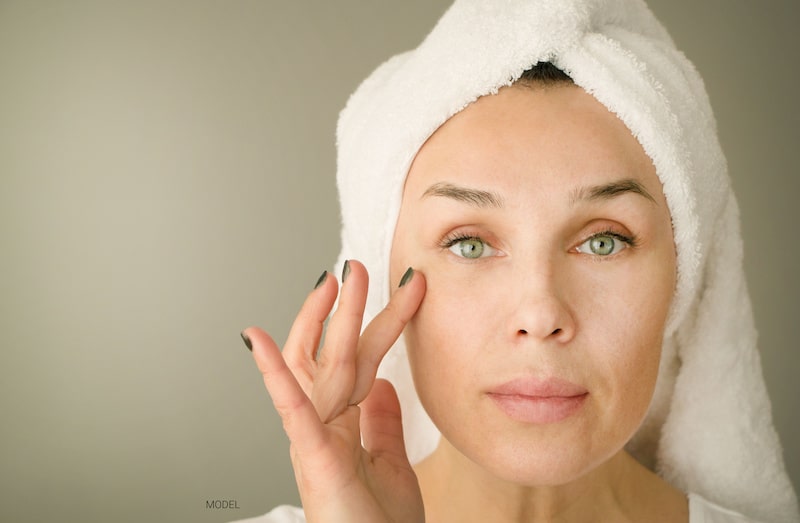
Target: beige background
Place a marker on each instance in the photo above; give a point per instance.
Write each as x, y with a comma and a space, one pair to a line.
167, 178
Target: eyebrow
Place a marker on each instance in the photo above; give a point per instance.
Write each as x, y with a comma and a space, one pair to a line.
608, 191
468, 195
480, 198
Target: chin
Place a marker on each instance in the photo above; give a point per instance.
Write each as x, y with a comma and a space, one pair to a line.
551, 459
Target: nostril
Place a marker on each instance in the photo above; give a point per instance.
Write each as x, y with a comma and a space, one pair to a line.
522, 331
557, 331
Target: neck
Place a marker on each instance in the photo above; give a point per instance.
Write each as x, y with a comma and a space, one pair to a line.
456, 489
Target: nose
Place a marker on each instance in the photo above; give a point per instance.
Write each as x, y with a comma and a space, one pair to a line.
541, 310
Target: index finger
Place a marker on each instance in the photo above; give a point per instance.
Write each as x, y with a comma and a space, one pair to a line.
299, 417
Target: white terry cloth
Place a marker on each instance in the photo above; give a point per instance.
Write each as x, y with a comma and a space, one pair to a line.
703, 511
709, 429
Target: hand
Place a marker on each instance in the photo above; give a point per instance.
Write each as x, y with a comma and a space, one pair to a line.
331, 402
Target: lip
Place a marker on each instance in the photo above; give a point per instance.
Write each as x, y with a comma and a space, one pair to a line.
539, 401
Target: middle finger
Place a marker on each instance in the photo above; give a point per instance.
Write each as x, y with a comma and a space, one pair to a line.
336, 364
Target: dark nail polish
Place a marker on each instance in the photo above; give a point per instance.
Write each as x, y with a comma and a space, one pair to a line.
345, 270
406, 277
321, 279
247, 342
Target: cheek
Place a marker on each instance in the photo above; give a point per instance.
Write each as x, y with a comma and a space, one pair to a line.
447, 329
448, 338
630, 321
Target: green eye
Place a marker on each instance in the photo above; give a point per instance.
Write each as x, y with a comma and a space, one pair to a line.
603, 245
470, 248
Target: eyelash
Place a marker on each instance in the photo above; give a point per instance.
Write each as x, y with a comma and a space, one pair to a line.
453, 238
632, 240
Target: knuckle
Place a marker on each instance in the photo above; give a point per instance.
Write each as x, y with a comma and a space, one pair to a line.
396, 314
289, 410
329, 359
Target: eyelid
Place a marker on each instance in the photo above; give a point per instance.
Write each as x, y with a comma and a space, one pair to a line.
450, 240
458, 235
609, 228
465, 232
628, 240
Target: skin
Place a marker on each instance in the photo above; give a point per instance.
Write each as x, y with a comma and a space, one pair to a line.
531, 175
537, 303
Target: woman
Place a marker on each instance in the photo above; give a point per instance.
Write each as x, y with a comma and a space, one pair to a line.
577, 289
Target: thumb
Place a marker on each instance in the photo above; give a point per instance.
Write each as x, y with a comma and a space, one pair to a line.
381, 424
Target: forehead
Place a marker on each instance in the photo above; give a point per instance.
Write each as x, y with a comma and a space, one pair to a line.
555, 138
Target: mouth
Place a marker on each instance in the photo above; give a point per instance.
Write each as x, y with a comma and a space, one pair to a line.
538, 401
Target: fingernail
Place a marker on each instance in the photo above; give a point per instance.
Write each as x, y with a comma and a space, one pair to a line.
406, 277
321, 279
247, 341
345, 270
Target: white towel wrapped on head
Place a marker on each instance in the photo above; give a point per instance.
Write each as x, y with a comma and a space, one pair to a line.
709, 429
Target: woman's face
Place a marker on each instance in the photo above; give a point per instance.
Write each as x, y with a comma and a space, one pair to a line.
546, 242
